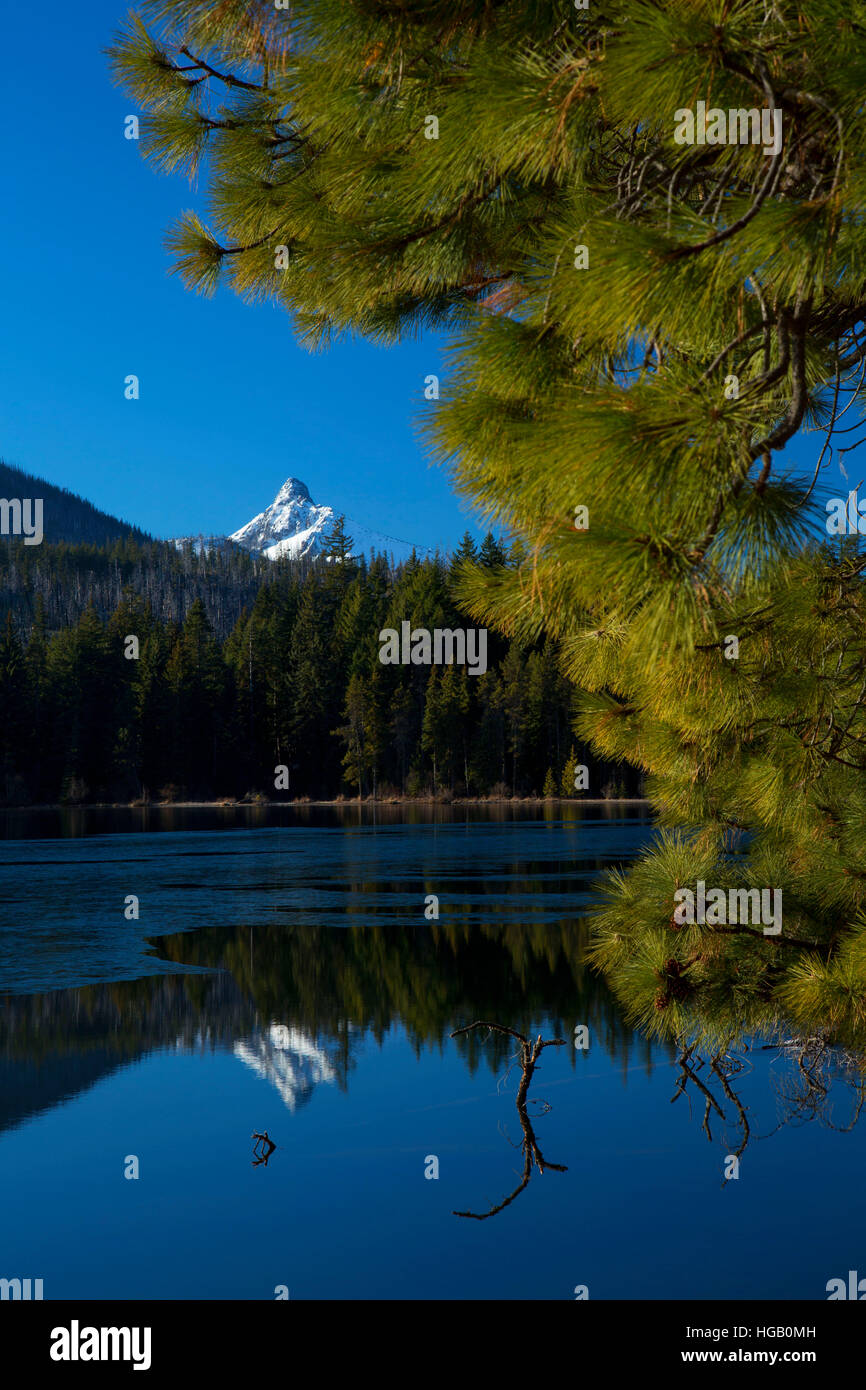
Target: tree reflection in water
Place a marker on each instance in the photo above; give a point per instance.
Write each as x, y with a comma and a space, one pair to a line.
804, 1091
527, 1056
314, 993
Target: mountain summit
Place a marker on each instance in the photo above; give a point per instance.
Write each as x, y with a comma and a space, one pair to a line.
292, 525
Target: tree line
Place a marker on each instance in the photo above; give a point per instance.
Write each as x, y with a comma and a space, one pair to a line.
196, 708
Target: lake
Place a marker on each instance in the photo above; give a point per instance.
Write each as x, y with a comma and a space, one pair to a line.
281, 977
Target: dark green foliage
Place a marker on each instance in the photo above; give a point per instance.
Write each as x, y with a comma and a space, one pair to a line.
66, 578
208, 711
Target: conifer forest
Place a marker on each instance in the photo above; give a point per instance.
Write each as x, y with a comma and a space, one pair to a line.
445, 882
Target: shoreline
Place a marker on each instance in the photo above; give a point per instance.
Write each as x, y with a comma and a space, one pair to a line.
228, 803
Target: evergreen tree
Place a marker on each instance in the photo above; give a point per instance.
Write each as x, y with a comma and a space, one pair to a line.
491, 555
37, 733
131, 619
569, 774
314, 695
14, 700
192, 716
648, 313
83, 679
362, 736
444, 724
402, 732
153, 708
196, 682
467, 550
487, 765
338, 546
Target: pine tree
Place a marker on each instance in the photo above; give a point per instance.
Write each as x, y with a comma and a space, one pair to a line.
132, 618
196, 681
362, 736
338, 546
467, 550
82, 676
515, 707
444, 725
434, 724
14, 769
38, 736
646, 316
314, 694
491, 555
487, 766
569, 772
402, 731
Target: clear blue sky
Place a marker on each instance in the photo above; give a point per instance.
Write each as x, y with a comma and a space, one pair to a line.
230, 404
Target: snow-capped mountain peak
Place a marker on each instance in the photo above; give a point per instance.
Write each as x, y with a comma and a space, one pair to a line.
296, 526
292, 525
292, 490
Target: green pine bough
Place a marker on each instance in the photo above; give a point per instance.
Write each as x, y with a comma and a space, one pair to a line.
641, 227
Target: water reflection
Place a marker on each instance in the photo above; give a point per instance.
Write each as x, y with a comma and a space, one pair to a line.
528, 1056
75, 822
287, 1058
262, 1148
293, 989
297, 1007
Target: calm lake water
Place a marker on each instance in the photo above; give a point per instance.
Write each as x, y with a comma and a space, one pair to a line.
281, 976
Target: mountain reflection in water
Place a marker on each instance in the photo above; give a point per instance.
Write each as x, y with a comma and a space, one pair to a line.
288, 1059
229, 1009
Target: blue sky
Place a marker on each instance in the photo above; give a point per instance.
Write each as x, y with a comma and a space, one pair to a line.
230, 405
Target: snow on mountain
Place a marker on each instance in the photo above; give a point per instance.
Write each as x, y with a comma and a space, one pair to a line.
292, 525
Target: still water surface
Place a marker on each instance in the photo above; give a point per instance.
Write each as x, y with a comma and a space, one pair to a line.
281, 977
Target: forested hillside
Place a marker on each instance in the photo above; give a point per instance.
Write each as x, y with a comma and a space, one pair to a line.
67, 579
66, 516
245, 665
